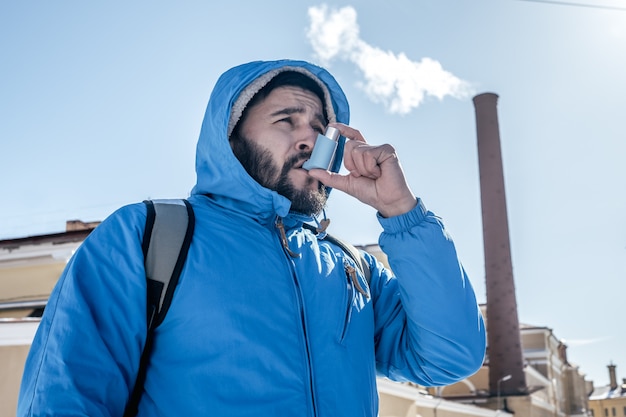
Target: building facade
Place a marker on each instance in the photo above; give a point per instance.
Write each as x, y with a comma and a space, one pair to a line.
555, 387
609, 400
29, 269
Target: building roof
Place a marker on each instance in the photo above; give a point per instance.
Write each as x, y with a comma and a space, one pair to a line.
605, 392
73, 234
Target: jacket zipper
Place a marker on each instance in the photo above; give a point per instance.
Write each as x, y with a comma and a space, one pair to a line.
349, 271
290, 256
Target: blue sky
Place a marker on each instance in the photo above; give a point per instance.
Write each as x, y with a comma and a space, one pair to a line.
101, 105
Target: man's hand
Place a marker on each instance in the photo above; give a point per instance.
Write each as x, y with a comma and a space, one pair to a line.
375, 175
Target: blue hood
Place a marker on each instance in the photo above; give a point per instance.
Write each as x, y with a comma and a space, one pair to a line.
219, 172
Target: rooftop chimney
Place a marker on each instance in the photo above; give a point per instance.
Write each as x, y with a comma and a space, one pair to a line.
506, 369
563, 352
612, 376
75, 225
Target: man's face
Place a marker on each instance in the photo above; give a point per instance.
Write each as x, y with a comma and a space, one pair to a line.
276, 138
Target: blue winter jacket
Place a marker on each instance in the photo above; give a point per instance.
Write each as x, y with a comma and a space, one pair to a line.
252, 331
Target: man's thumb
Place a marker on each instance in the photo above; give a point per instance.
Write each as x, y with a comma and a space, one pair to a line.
329, 179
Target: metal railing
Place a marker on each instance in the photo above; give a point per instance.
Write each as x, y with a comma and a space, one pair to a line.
22, 305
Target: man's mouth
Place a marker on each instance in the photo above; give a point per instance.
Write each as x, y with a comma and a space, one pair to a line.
298, 165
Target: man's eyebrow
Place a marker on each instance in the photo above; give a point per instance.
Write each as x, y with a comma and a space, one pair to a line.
294, 110
288, 111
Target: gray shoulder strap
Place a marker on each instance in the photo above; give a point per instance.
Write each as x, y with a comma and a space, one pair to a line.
166, 245
167, 237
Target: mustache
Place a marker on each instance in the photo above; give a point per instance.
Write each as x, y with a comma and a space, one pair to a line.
296, 160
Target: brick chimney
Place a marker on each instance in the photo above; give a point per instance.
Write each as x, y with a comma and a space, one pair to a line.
506, 368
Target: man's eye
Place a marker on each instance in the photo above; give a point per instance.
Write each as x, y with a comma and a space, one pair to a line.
286, 120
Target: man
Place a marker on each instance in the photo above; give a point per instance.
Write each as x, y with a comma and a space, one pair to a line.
268, 319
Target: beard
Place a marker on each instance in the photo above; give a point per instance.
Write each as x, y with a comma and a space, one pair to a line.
258, 163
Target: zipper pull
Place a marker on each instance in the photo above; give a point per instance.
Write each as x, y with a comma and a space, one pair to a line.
351, 271
283, 238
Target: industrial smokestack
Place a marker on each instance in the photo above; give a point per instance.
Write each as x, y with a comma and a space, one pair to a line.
506, 369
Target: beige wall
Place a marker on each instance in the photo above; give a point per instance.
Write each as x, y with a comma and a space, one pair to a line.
27, 273
12, 360
29, 282
605, 407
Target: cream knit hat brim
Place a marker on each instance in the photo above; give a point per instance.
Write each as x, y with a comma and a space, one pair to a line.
255, 86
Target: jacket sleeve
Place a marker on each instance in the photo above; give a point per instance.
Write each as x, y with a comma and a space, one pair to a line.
86, 350
428, 326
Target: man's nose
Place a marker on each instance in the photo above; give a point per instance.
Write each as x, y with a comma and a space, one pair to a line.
306, 139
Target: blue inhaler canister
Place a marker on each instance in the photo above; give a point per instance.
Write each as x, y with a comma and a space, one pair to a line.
324, 150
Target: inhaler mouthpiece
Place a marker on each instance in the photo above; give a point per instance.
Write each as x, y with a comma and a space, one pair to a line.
324, 150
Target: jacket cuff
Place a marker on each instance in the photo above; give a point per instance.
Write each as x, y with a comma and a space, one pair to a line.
404, 221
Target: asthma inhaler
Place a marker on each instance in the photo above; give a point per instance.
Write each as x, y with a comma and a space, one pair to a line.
324, 150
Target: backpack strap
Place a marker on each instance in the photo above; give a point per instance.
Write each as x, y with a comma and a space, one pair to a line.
165, 246
351, 250
167, 237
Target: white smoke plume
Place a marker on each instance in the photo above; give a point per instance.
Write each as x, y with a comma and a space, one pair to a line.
394, 80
